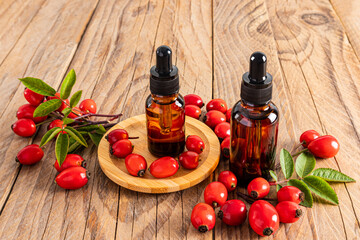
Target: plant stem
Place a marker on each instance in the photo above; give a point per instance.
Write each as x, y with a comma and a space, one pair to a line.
46, 121
298, 153
280, 182
113, 116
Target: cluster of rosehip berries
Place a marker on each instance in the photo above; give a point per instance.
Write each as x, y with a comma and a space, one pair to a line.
321, 146
136, 165
217, 118
264, 218
72, 173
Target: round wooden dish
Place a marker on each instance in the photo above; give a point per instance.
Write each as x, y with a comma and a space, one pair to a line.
115, 169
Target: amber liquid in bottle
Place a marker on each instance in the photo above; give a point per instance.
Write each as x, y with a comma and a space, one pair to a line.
254, 132
165, 117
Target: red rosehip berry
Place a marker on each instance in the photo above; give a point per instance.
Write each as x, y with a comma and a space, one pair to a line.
193, 99
116, 135
308, 136
27, 111
77, 111
290, 193
229, 180
258, 188
225, 147
33, 98
217, 104
164, 167
192, 111
121, 148
56, 123
233, 212
263, 218
63, 105
24, 127
203, 217
228, 114
189, 159
195, 143
72, 178
324, 147
289, 212
136, 164
215, 194
88, 106
30, 155
213, 118
71, 160
222, 130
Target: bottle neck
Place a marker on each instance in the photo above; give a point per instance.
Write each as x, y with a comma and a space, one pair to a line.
255, 107
165, 99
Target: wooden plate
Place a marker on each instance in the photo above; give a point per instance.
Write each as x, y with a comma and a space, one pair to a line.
114, 168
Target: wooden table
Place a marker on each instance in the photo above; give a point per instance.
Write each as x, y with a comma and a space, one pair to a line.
313, 53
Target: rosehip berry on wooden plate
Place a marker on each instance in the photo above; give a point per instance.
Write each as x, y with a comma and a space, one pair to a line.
193, 99
213, 118
30, 155
222, 130
308, 136
71, 160
135, 164
121, 148
192, 111
72, 178
33, 98
63, 105
258, 188
88, 106
225, 147
116, 135
290, 193
233, 212
215, 194
27, 111
195, 143
289, 212
203, 217
324, 147
24, 127
189, 159
216, 104
229, 180
263, 218
228, 114
164, 167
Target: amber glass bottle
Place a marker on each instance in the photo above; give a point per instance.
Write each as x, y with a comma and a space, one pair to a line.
254, 124
165, 108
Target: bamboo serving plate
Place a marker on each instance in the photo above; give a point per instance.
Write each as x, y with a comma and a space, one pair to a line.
114, 168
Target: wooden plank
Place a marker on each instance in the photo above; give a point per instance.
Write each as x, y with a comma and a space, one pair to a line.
58, 28
320, 71
348, 13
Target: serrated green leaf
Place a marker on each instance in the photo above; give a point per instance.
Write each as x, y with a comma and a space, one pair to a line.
66, 111
88, 128
75, 98
278, 187
331, 175
287, 163
321, 188
76, 135
308, 201
38, 86
67, 121
273, 175
305, 164
101, 129
73, 147
61, 147
67, 84
96, 138
47, 107
49, 135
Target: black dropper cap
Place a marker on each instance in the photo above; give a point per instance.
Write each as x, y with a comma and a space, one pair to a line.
256, 87
164, 77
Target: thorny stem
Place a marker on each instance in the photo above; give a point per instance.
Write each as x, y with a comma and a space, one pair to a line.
113, 116
298, 153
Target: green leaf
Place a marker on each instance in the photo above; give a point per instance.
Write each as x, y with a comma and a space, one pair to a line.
287, 163
75, 98
89, 128
101, 129
273, 175
331, 175
76, 135
49, 135
305, 163
321, 188
278, 187
38, 86
67, 121
66, 111
73, 146
308, 201
67, 84
96, 138
61, 147
47, 107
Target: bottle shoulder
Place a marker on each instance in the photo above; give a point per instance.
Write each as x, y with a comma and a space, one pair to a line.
268, 113
178, 101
